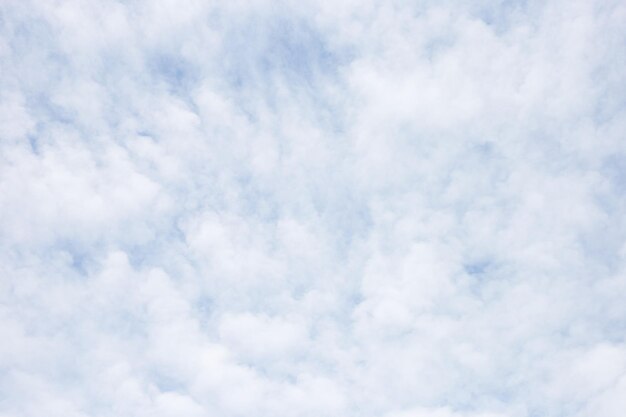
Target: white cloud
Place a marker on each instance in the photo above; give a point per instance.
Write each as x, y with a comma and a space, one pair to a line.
312, 208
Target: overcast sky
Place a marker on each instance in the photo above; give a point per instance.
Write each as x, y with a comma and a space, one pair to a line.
330, 208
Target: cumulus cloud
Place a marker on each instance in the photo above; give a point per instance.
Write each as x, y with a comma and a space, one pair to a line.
315, 208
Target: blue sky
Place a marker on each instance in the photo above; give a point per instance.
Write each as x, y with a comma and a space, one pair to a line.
312, 208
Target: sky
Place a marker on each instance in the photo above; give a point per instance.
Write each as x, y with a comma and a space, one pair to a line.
313, 208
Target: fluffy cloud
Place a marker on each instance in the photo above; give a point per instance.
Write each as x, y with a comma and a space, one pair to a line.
312, 208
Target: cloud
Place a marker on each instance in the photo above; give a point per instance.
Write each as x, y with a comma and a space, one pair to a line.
312, 208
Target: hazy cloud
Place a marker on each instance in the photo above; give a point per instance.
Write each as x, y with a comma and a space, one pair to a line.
329, 208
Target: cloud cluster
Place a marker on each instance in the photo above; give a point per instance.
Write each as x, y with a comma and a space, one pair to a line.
313, 208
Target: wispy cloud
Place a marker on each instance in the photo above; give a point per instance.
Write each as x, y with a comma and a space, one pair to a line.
312, 208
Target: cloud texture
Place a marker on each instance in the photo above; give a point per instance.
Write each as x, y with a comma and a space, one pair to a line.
313, 208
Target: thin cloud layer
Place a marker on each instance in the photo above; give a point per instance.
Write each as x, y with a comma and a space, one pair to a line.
312, 208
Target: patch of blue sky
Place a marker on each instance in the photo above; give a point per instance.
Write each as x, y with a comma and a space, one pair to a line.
298, 50
485, 275
613, 168
33, 141
285, 49
348, 219
33, 47
257, 202
73, 258
166, 383
152, 250
476, 268
502, 15
178, 73
50, 112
